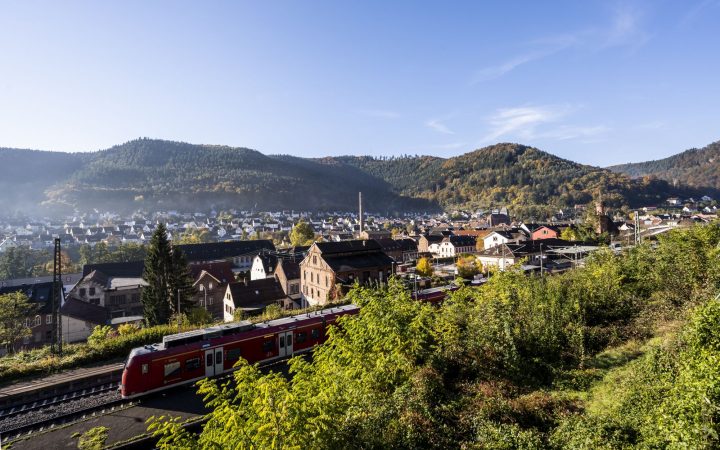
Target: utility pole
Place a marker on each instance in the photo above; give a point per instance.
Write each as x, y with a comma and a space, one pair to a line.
178, 310
57, 293
541, 260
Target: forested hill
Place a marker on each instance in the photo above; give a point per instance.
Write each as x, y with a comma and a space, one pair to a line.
165, 174
509, 174
26, 174
156, 174
694, 167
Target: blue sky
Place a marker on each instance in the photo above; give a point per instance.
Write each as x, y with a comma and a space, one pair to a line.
597, 82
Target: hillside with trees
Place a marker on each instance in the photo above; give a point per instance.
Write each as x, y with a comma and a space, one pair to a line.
26, 174
694, 167
157, 174
511, 175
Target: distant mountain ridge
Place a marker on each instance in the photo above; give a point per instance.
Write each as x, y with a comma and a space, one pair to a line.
158, 174
694, 167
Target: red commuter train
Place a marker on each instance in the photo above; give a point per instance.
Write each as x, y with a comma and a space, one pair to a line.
188, 357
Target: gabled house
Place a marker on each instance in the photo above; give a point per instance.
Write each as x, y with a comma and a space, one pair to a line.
287, 273
430, 243
115, 286
503, 237
454, 245
263, 266
545, 232
211, 280
252, 297
341, 263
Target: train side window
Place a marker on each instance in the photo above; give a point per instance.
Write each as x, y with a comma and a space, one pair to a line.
172, 369
301, 337
144, 369
233, 354
268, 345
209, 360
315, 333
282, 341
192, 364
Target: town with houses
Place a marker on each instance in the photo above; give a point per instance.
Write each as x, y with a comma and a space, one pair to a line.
245, 261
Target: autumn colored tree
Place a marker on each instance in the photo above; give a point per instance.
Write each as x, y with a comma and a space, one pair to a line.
424, 267
301, 234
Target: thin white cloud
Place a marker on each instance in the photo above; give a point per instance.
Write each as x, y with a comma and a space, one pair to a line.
437, 125
492, 72
626, 29
521, 121
379, 113
567, 132
550, 46
537, 122
695, 11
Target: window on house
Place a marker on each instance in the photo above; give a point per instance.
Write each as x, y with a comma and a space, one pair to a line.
82, 292
48, 319
38, 321
327, 281
210, 301
92, 291
210, 285
95, 301
314, 259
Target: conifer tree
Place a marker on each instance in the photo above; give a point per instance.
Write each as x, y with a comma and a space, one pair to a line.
181, 282
167, 275
156, 295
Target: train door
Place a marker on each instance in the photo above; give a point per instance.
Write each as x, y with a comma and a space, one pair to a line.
219, 366
210, 362
285, 342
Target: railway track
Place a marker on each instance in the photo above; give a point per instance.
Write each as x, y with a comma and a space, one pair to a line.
77, 406
50, 401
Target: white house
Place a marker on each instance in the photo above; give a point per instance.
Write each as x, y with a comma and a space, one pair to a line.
263, 266
502, 237
452, 246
